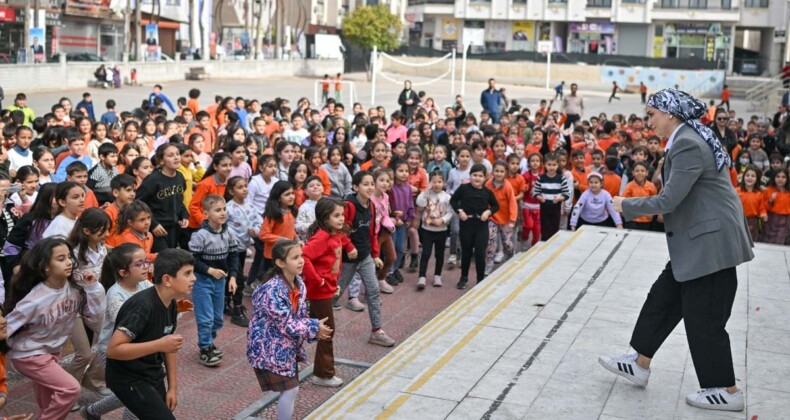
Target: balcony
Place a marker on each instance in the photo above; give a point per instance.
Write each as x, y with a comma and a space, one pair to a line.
695, 4
419, 2
696, 10
599, 3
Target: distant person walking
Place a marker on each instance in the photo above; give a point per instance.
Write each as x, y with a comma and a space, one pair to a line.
643, 92
558, 90
615, 88
725, 97
489, 100
338, 87
573, 106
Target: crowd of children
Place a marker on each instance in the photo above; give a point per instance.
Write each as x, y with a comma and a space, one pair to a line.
322, 201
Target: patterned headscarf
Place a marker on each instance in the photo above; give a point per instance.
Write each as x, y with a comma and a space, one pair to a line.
689, 109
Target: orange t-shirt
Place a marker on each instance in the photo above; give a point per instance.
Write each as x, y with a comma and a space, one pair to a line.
368, 166
612, 183
272, 231
418, 180
113, 239
90, 199
605, 143
508, 210
192, 104
205, 187
725, 94
753, 203
532, 148
271, 128
518, 183
146, 243
581, 178
209, 136
781, 204
635, 190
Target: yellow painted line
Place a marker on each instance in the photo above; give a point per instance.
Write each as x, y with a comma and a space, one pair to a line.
429, 373
467, 303
393, 407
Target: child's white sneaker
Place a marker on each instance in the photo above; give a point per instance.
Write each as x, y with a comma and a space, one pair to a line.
626, 367
489, 270
421, 283
437, 281
499, 257
355, 305
332, 382
716, 399
384, 287
452, 261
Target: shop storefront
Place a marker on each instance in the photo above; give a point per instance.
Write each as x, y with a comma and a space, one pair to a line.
700, 40
91, 27
592, 38
12, 33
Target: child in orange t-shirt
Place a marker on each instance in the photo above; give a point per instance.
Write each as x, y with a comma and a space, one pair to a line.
123, 189
611, 181
777, 203
579, 174
279, 219
640, 187
518, 184
134, 224
418, 180
213, 182
501, 223
752, 200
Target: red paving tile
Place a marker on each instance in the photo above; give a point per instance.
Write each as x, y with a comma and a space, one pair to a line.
224, 391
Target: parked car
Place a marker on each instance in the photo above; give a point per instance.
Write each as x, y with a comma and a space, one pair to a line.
78, 57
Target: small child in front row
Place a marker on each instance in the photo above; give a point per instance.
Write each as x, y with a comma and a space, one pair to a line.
216, 252
123, 274
42, 307
437, 213
752, 200
518, 183
503, 221
595, 206
279, 219
475, 204
244, 223
280, 326
640, 187
123, 191
133, 226
551, 189
314, 191
144, 340
777, 204
322, 262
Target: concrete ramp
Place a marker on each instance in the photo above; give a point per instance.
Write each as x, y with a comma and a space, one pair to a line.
525, 342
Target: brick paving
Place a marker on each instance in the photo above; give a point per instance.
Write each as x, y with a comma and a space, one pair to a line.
224, 391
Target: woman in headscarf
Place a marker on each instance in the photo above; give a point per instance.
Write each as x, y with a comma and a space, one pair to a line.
408, 100
707, 239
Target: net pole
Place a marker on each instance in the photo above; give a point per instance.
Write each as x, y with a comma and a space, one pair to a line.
373, 64
315, 93
463, 69
452, 85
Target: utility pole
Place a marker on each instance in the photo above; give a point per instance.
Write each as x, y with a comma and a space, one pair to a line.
127, 37
138, 21
278, 50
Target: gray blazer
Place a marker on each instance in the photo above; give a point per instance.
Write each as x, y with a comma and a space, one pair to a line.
703, 217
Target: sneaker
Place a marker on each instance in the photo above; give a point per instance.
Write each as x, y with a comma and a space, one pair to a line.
217, 352
716, 399
380, 338
355, 305
402, 262
414, 263
452, 261
626, 367
208, 358
385, 288
499, 257
462, 283
421, 283
392, 280
398, 275
75, 407
228, 309
239, 316
336, 304
250, 288
104, 392
332, 382
489, 269
86, 415
437, 281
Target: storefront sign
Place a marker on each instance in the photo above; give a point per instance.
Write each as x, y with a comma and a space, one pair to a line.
780, 36
692, 28
523, 30
710, 50
592, 28
91, 8
51, 18
449, 29
7, 14
658, 46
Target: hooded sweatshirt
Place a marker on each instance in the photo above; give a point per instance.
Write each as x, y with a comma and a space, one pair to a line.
214, 249
322, 263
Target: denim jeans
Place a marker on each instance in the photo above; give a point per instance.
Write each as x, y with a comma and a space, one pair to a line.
399, 237
208, 295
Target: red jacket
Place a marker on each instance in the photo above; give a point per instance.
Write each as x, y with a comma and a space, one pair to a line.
322, 263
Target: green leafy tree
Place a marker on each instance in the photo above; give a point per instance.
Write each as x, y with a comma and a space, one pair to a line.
370, 26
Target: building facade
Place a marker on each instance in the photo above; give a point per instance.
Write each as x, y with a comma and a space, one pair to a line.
742, 36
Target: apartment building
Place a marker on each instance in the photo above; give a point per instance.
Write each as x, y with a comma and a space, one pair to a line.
745, 36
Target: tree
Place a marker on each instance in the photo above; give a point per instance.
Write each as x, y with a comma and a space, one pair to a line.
372, 26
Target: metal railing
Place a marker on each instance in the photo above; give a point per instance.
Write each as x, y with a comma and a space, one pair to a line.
765, 96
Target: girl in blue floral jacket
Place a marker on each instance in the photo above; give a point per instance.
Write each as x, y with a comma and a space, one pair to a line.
280, 325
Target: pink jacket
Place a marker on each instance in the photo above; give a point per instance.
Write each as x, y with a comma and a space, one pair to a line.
382, 212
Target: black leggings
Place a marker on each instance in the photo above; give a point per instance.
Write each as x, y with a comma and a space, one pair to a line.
239, 294
168, 241
144, 400
432, 241
550, 213
474, 238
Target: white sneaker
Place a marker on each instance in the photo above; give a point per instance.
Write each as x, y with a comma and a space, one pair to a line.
626, 367
380, 338
437, 281
355, 305
421, 283
499, 257
452, 261
332, 382
384, 287
489, 270
716, 399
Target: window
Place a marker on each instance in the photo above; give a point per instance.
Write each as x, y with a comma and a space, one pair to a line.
599, 3
633, 1
756, 3
558, 1
698, 4
519, 1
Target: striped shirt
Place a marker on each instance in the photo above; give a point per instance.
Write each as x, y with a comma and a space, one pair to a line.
551, 186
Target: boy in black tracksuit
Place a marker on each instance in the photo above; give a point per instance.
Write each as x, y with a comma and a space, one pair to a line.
475, 204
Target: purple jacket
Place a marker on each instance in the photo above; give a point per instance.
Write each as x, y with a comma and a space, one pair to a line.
401, 200
276, 334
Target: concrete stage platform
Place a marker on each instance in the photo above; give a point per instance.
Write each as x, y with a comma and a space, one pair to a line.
525, 342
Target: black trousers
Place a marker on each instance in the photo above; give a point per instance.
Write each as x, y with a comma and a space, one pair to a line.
256, 269
704, 305
238, 295
144, 400
570, 119
432, 241
550, 213
474, 239
168, 241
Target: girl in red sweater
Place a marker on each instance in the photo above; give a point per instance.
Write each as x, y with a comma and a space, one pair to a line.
322, 263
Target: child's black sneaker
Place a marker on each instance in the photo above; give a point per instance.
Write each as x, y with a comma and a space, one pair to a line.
217, 352
208, 357
414, 263
392, 280
239, 316
462, 283
228, 308
398, 276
